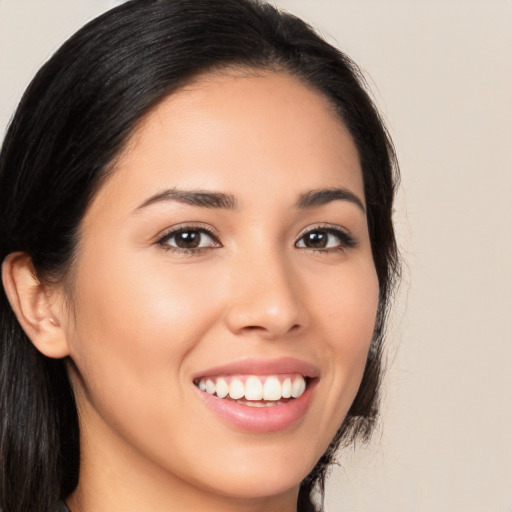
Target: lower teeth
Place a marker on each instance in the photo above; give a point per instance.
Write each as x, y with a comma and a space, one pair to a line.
259, 404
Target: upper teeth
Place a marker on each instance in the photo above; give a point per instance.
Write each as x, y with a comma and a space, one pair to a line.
254, 387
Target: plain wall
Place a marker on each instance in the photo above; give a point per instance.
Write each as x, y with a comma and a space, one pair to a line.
441, 72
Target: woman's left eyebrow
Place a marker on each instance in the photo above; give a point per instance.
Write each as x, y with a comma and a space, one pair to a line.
203, 198
314, 198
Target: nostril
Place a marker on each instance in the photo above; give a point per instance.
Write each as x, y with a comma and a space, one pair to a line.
261, 329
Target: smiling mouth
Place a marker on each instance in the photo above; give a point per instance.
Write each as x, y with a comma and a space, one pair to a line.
255, 390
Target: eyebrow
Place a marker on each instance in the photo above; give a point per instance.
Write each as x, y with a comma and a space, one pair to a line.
320, 197
202, 198
207, 199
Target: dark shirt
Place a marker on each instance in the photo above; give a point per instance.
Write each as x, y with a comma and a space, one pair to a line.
61, 507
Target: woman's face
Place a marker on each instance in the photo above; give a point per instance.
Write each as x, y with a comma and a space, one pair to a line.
229, 251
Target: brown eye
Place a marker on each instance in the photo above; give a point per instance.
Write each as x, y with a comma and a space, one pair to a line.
326, 239
316, 239
189, 239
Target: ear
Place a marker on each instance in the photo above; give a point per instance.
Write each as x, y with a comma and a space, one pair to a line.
38, 308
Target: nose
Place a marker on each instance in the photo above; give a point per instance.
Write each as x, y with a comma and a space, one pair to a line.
267, 298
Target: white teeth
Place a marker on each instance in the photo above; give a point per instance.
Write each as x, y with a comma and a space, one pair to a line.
286, 388
272, 389
210, 387
251, 404
298, 387
255, 388
236, 389
221, 388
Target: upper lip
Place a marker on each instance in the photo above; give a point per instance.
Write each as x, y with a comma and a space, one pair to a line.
262, 367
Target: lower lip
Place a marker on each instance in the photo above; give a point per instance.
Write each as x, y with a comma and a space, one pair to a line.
260, 419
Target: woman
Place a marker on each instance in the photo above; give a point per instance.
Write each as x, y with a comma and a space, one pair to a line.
198, 256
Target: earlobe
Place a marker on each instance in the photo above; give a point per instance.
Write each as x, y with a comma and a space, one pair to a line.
36, 307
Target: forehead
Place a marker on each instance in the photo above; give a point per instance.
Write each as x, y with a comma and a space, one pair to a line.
238, 133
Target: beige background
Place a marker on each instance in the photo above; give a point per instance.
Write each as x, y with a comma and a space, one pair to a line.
441, 72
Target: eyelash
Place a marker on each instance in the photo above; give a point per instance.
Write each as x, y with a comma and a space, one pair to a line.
346, 241
186, 228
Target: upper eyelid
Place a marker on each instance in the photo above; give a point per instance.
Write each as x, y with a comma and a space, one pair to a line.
324, 226
347, 239
192, 226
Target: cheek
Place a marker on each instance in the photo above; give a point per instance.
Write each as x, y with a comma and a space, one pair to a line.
348, 308
134, 328
349, 312
356, 325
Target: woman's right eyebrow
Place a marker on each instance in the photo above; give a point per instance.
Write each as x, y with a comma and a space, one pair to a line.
203, 198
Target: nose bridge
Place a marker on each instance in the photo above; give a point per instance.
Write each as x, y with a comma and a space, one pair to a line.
265, 298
